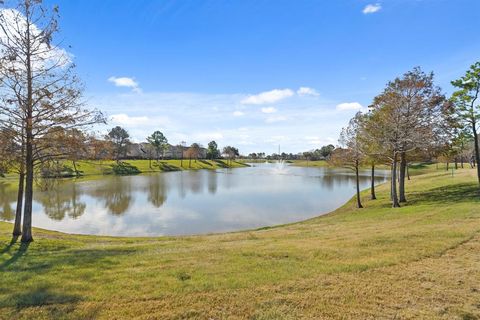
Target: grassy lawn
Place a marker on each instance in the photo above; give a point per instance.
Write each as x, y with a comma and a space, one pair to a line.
99, 167
94, 167
304, 163
418, 261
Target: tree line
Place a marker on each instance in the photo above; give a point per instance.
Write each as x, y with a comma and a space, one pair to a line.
117, 141
413, 120
323, 153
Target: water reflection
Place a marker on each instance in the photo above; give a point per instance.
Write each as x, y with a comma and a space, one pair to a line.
195, 181
7, 198
189, 202
114, 192
212, 182
157, 190
63, 199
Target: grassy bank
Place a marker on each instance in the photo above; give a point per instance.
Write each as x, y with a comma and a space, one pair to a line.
418, 261
93, 168
304, 163
145, 166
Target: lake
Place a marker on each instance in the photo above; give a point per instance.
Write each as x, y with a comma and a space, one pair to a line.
190, 202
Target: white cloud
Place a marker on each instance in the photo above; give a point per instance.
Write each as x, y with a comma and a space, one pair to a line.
238, 113
274, 119
269, 110
124, 119
207, 136
372, 8
125, 82
349, 106
318, 141
306, 91
14, 25
268, 96
275, 139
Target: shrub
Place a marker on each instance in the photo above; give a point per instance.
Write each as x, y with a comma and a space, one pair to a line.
124, 168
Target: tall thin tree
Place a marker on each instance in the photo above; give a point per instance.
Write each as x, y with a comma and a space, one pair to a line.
466, 101
39, 89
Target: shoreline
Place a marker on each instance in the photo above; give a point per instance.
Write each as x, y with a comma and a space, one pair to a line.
267, 227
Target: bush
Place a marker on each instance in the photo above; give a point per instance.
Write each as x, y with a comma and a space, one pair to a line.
123, 168
55, 170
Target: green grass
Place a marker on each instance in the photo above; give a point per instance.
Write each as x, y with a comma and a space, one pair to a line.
145, 166
418, 261
95, 167
304, 163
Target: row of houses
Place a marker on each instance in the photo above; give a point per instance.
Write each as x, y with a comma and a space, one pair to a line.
144, 151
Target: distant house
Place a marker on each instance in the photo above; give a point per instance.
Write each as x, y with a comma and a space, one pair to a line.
144, 150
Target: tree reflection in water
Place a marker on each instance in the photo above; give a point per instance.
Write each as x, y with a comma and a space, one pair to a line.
195, 181
337, 179
212, 182
8, 197
61, 200
115, 193
157, 190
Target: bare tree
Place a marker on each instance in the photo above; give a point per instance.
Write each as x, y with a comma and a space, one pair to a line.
405, 118
98, 149
181, 146
39, 89
351, 154
231, 153
193, 153
12, 159
370, 148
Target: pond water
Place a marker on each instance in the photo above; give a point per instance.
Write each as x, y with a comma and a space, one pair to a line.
190, 202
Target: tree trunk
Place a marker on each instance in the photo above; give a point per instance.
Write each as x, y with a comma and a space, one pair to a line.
401, 182
29, 159
456, 163
395, 203
372, 188
75, 167
17, 227
408, 172
477, 152
448, 166
461, 162
359, 203
27, 211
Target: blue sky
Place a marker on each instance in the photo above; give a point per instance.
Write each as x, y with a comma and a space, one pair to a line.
196, 70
